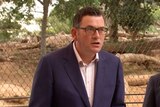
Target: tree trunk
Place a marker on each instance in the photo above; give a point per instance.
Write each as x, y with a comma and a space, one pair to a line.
134, 35
113, 20
113, 31
44, 26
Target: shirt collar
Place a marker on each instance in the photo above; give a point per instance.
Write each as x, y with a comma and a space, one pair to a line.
80, 59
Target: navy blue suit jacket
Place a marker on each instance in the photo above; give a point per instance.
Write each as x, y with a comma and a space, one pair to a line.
58, 81
152, 96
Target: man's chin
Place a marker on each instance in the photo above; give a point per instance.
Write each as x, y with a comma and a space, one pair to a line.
95, 50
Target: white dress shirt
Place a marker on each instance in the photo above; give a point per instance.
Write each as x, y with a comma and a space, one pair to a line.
88, 72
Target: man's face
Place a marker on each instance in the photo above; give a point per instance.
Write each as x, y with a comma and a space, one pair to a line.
89, 36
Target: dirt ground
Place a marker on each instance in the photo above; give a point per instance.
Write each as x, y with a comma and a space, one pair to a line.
17, 68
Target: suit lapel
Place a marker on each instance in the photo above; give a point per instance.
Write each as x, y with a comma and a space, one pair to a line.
73, 71
103, 84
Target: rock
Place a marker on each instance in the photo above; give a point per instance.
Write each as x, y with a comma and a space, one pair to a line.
11, 91
2, 59
137, 80
126, 86
58, 41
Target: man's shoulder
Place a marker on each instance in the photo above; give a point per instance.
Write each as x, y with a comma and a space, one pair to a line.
155, 80
155, 77
106, 54
59, 52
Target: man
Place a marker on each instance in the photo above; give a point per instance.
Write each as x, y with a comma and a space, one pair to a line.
80, 75
152, 96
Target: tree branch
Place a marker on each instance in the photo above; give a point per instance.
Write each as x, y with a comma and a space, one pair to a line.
41, 2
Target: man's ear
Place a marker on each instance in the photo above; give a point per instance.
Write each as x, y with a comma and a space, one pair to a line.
74, 33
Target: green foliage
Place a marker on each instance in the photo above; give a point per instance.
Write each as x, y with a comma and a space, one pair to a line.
66, 9
135, 17
156, 16
156, 13
19, 3
19, 9
8, 27
63, 12
13, 15
55, 25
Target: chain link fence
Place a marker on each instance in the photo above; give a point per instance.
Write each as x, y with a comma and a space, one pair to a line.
138, 49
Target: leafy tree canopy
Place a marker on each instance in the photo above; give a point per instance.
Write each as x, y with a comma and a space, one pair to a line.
12, 14
66, 9
134, 16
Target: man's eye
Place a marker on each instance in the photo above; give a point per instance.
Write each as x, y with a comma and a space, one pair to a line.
90, 28
101, 29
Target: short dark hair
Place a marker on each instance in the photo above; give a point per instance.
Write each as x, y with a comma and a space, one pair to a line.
91, 11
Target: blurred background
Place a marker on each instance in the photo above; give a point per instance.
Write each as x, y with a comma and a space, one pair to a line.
31, 28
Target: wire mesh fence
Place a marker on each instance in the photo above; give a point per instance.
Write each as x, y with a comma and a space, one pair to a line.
137, 47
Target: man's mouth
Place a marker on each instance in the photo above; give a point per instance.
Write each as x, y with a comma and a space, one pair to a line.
97, 43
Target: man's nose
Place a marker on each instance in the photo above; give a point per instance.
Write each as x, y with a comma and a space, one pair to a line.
96, 34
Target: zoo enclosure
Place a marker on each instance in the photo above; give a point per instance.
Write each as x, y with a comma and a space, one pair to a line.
133, 37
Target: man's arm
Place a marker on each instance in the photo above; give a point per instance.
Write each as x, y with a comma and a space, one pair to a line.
149, 100
118, 100
41, 95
